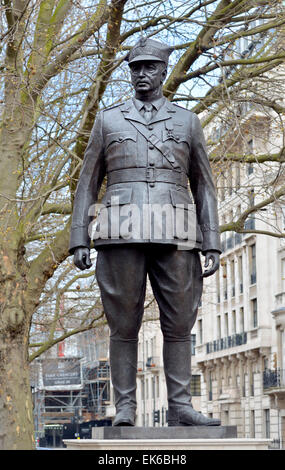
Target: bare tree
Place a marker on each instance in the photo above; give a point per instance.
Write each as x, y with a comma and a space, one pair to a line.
62, 61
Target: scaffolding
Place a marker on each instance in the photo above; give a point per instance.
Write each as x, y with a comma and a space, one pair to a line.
97, 386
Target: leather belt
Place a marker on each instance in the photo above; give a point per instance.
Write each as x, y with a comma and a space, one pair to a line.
148, 174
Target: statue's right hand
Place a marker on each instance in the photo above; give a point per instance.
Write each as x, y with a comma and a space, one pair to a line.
81, 258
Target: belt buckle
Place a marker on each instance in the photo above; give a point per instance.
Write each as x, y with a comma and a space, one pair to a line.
150, 174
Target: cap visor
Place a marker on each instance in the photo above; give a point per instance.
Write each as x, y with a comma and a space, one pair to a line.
141, 58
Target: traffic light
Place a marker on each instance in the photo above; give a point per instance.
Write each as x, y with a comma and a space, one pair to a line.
156, 416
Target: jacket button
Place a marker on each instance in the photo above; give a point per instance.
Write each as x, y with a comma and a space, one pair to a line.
151, 147
152, 185
151, 163
150, 128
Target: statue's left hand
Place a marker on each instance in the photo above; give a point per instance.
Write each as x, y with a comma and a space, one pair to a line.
214, 257
82, 258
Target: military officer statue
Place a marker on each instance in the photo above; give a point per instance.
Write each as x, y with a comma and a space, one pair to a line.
150, 149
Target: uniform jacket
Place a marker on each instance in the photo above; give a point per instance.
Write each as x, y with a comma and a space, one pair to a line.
140, 176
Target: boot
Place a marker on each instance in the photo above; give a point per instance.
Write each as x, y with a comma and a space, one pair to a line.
123, 362
177, 368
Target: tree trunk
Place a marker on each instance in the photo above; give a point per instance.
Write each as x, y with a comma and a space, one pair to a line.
16, 413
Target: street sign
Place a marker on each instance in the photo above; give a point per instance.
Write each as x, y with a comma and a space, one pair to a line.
61, 373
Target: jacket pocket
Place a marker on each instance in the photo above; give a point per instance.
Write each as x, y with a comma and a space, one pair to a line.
117, 197
120, 150
112, 220
185, 219
120, 138
177, 138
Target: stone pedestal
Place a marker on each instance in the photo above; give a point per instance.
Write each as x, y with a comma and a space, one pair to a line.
159, 439
167, 433
157, 445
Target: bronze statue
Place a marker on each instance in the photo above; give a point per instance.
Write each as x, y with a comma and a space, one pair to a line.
150, 149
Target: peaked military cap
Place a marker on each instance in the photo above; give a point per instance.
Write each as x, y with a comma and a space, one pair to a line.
149, 49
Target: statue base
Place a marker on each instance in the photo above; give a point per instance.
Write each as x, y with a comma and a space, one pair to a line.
179, 432
125, 438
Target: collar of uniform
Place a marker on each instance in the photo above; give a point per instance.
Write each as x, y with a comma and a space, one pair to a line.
155, 103
131, 112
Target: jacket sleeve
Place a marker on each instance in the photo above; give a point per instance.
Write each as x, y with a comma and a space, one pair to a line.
89, 183
203, 189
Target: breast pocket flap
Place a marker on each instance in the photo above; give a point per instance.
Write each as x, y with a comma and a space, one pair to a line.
119, 137
118, 197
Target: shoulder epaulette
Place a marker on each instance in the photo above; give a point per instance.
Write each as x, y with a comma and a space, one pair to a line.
180, 107
112, 107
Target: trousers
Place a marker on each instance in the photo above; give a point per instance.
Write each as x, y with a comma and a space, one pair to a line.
176, 280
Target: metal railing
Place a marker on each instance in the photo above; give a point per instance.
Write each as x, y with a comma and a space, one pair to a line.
228, 342
273, 378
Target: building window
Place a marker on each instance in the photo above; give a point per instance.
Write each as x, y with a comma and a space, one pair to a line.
193, 344
157, 386
195, 387
210, 387
233, 277
241, 319
252, 263
244, 385
240, 274
143, 389
219, 330
250, 150
200, 329
226, 324
254, 312
218, 287
225, 282
252, 384
234, 322
252, 423
153, 386
267, 423
249, 168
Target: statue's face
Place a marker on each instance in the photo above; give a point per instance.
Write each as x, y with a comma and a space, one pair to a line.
147, 76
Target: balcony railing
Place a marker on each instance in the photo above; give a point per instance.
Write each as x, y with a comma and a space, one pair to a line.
228, 342
273, 378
